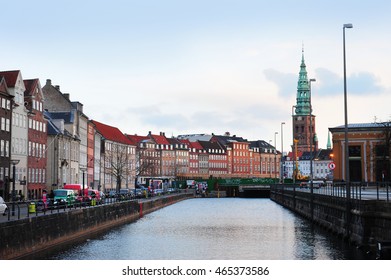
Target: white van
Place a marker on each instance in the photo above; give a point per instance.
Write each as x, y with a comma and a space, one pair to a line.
316, 184
3, 207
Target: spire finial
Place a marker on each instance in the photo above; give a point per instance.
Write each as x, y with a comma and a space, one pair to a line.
328, 141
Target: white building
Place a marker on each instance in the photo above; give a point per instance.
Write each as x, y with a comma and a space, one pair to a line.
19, 128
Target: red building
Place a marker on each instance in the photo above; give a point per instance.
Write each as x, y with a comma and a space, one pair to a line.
37, 139
90, 154
240, 159
217, 163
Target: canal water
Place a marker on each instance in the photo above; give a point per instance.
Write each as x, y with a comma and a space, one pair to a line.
216, 229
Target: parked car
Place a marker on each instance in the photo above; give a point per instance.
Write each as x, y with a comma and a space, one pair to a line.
3, 207
143, 192
157, 191
125, 194
316, 184
94, 194
111, 194
40, 206
64, 198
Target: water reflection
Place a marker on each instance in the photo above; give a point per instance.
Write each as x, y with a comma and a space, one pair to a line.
229, 228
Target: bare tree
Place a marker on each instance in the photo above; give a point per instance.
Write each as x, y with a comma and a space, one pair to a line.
117, 160
147, 160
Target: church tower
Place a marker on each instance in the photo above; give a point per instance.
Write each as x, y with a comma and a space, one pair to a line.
303, 113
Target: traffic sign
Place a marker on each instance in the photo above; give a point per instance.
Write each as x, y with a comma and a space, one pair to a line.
331, 165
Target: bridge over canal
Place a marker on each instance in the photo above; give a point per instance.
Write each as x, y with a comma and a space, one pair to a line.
244, 187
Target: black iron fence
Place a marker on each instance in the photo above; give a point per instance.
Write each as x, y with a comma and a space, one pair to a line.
32, 208
358, 190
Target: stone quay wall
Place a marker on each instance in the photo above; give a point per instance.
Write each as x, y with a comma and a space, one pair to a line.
369, 220
40, 236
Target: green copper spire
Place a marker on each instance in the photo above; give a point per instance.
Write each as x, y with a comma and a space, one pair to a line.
303, 91
328, 142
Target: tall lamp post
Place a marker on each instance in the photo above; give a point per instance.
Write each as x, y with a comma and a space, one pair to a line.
13, 162
293, 146
311, 135
311, 153
83, 169
282, 153
347, 175
275, 155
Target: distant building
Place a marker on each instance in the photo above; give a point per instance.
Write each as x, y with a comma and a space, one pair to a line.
60, 103
61, 151
117, 159
321, 160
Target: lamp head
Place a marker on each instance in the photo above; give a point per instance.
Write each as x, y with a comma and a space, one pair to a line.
15, 161
348, 25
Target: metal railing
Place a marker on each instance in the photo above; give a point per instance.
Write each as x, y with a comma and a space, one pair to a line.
358, 190
34, 208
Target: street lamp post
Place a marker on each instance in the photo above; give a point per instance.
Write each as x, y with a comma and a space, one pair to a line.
347, 175
311, 153
293, 146
13, 162
311, 133
275, 155
282, 153
83, 169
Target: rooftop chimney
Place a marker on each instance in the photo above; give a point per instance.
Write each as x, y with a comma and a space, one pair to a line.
48, 82
66, 95
57, 87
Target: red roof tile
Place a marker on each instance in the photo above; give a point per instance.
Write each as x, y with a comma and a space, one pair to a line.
10, 77
197, 145
111, 133
160, 139
291, 155
3, 86
30, 85
136, 138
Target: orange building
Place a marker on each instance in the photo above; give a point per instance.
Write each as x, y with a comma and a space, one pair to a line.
369, 156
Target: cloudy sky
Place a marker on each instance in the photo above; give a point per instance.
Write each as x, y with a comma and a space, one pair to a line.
205, 66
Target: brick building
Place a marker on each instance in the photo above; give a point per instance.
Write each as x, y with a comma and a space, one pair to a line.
369, 151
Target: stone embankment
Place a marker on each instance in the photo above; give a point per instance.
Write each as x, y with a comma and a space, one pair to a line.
367, 223
38, 237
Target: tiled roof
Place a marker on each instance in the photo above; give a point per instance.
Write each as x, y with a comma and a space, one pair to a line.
223, 139
362, 126
111, 133
160, 139
196, 145
307, 155
324, 154
30, 85
3, 86
10, 77
211, 146
135, 139
299, 154
52, 129
260, 144
178, 144
68, 117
